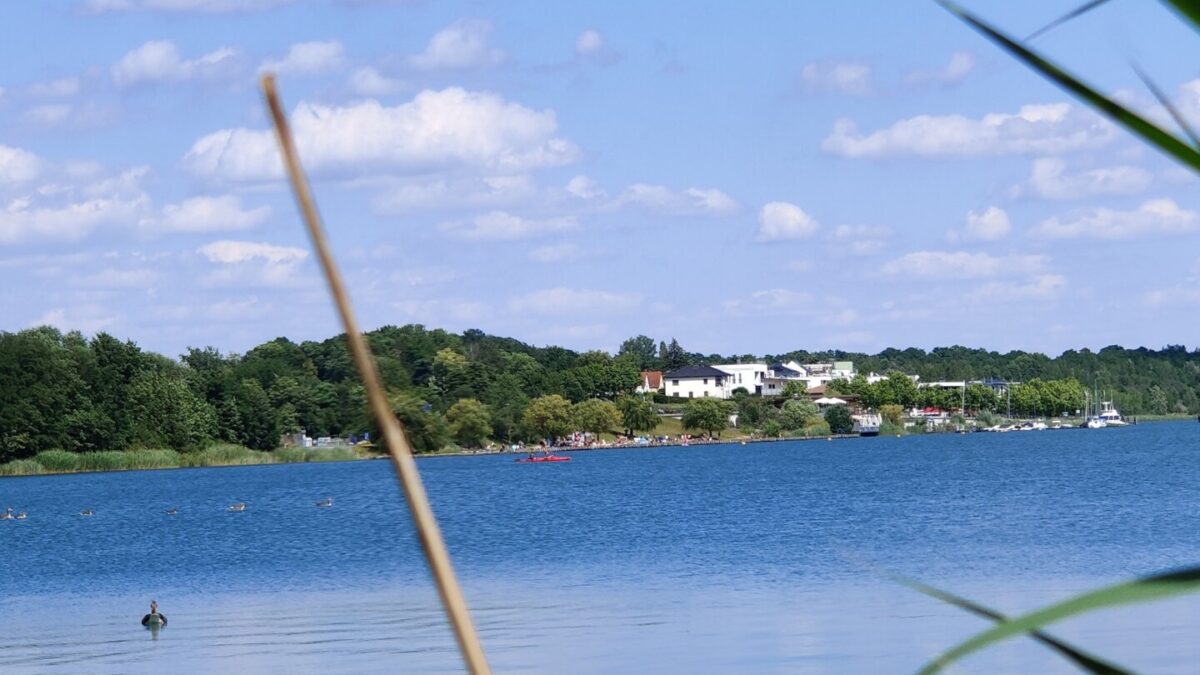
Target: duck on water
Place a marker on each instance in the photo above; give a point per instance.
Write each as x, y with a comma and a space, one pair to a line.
154, 618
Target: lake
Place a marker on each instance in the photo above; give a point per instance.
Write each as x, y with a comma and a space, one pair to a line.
702, 559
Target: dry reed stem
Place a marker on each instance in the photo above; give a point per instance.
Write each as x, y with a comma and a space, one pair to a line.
393, 434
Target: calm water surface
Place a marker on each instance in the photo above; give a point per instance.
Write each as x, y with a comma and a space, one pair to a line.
713, 559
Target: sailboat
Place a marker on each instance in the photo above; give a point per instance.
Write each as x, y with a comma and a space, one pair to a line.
1093, 421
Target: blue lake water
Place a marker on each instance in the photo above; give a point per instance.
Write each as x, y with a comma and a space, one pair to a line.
705, 559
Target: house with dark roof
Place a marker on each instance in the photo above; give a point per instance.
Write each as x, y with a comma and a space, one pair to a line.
698, 382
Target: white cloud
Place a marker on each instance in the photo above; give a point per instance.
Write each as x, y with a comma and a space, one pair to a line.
692, 201
1040, 287
991, 224
307, 58
84, 318
228, 252
159, 61
499, 225
963, 265
799, 265
370, 82
60, 88
1049, 179
247, 263
780, 220
17, 165
209, 6
1172, 297
585, 188
88, 115
451, 127
556, 253
589, 42
574, 301
840, 77
404, 195
117, 278
862, 239
461, 45
209, 214
22, 220
961, 64
1041, 129
772, 301
1154, 217
47, 115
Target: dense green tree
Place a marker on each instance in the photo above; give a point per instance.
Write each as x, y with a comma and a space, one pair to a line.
168, 413
637, 414
641, 351
797, 413
839, 420
548, 417
706, 414
426, 431
470, 422
595, 416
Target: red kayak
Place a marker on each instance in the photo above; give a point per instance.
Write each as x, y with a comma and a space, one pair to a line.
544, 458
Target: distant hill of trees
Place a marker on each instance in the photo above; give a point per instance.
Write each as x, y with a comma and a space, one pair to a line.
65, 391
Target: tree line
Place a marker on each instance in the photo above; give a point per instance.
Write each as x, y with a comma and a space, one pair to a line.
66, 391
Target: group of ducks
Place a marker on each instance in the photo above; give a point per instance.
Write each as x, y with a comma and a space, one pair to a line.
8, 514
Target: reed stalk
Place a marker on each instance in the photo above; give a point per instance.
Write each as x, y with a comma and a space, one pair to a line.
428, 532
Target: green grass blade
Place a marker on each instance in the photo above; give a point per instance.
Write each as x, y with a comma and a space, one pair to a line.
1148, 589
1087, 7
1188, 9
1166, 103
1086, 661
1165, 141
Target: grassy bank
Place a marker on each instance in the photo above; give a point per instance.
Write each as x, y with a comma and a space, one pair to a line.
223, 454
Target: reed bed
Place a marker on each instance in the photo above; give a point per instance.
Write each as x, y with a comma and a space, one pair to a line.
221, 454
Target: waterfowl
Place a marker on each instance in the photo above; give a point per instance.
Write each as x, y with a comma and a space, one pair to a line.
174, 510
21, 516
240, 506
7, 515
154, 618
325, 503
87, 512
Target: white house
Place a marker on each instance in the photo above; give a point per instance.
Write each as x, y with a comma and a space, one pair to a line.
750, 376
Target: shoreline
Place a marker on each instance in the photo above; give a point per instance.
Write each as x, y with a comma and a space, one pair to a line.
285, 459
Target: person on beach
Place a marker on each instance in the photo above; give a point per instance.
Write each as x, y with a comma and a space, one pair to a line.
154, 618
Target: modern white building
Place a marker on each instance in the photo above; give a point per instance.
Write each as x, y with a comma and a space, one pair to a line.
750, 376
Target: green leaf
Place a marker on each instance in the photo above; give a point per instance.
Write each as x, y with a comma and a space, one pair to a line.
1165, 141
1188, 9
1148, 589
1084, 660
1085, 8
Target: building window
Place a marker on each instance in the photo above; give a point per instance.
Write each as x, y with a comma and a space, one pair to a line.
675, 383
706, 380
691, 394
705, 393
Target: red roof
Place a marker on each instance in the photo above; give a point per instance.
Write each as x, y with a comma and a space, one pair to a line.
652, 379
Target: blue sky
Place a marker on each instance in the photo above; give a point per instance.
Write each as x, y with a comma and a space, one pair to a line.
747, 178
